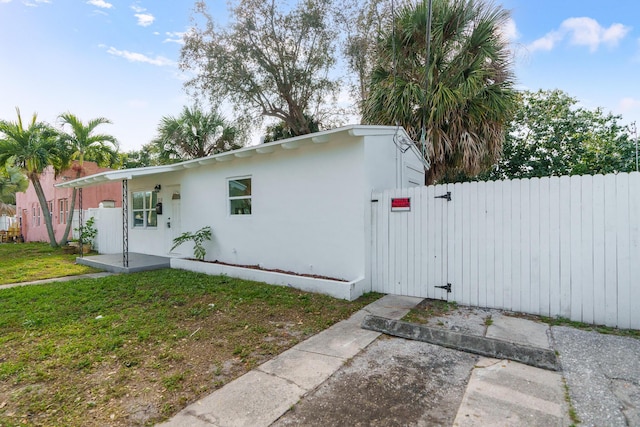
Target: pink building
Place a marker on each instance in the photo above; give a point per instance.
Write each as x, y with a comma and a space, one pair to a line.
30, 214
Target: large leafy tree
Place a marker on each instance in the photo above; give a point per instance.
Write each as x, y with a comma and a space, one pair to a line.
31, 148
194, 134
272, 59
361, 22
81, 142
550, 135
467, 97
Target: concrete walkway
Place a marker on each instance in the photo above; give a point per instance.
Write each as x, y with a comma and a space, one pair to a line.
261, 396
499, 392
57, 279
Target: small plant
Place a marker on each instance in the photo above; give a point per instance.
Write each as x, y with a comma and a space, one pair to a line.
87, 232
197, 238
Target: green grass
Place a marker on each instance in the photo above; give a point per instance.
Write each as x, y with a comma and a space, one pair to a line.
24, 262
562, 321
134, 349
575, 420
429, 308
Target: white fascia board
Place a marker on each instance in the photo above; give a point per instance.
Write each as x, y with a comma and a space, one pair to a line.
290, 143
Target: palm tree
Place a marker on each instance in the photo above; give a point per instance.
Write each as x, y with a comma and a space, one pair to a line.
469, 93
11, 181
194, 134
31, 149
82, 144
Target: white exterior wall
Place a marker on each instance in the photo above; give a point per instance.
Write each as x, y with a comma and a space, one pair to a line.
311, 202
307, 210
153, 240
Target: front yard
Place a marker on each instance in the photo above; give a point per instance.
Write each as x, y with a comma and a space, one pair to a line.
23, 262
134, 349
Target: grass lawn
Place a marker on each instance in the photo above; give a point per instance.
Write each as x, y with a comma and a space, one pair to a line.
23, 262
134, 349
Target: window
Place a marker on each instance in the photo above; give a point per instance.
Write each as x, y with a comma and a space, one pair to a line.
36, 215
144, 209
240, 196
50, 203
63, 209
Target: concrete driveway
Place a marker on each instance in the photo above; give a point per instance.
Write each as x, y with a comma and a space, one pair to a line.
348, 376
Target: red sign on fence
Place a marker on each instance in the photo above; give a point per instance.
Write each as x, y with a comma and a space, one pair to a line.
401, 204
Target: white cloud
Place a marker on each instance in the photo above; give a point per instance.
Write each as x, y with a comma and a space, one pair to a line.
547, 42
174, 37
5, 1
627, 104
35, 3
582, 31
145, 19
509, 31
100, 3
159, 61
137, 9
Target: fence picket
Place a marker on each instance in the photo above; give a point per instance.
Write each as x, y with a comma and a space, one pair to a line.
598, 254
544, 248
586, 247
624, 246
634, 249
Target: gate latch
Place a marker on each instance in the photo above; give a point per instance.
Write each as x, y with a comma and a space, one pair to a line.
446, 287
445, 196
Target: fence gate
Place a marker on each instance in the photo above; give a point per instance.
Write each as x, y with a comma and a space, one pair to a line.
559, 246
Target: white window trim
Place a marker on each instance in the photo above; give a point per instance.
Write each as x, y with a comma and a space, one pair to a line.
230, 198
145, 209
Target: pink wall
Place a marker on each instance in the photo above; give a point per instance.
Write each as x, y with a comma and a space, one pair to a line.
91, 198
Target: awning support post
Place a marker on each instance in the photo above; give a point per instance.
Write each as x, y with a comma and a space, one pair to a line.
125, 223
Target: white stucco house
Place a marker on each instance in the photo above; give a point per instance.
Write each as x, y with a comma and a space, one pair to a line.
301, 205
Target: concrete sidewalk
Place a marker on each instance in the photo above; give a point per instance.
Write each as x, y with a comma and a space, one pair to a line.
57, 279
507, 393
261, 396
501, 391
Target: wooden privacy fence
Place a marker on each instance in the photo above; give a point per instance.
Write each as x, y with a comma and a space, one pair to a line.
559, 246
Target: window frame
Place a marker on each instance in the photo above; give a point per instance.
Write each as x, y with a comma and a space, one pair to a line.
145, 210
37, 214
231, 199
63, 210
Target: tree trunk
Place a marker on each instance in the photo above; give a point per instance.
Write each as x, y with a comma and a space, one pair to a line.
67, 228
44, 206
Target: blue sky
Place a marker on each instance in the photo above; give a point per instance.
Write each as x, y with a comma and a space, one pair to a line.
118, 59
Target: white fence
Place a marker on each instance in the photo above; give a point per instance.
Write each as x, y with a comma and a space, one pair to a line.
565, 246
7, 221
108, 222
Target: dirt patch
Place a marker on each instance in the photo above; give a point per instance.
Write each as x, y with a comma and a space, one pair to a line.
450, 316
273, 270
394, 382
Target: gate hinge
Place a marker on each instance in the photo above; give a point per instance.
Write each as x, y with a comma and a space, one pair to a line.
445, 196
446, 287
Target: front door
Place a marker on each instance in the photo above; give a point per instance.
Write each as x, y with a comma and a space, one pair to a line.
173, 221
